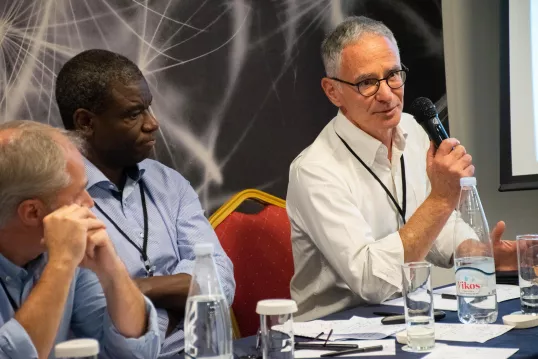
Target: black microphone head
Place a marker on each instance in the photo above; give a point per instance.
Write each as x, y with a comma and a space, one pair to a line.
423, 109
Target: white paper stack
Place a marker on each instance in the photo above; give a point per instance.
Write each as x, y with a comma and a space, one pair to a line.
354, 328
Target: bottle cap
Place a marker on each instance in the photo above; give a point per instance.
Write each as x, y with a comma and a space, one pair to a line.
521, 321
203, 249
276, 306
77, 348
467, 181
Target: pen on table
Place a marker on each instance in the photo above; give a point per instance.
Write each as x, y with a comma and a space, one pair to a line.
374, 348
320, 346
449, 296
328, 336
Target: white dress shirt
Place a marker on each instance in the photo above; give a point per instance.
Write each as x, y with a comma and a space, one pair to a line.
344, 228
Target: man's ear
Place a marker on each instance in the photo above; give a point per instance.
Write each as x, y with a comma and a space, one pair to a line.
331, 90
31, 212
84, 121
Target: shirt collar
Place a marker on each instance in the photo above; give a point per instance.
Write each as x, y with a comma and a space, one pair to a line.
9, 269
97, 178
364, 145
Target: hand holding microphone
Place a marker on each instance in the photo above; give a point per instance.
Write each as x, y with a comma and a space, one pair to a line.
447, 160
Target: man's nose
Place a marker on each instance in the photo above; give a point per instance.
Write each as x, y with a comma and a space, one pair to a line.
151, 124
384, 93
87, 200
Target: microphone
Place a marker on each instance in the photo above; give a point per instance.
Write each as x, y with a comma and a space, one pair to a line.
426, 115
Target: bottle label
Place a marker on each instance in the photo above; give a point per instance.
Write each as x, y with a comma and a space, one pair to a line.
190, 333
474, 282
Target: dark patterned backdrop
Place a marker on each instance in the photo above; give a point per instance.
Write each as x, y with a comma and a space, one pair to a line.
236, 83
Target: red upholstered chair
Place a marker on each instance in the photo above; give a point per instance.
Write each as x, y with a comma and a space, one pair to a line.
254, 230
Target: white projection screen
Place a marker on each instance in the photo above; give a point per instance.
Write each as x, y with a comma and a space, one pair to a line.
519, 95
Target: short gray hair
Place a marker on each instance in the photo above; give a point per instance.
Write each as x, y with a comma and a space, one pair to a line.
347, 32
32, 165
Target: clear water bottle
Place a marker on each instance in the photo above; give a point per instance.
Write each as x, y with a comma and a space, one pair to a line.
473, 259
208, 328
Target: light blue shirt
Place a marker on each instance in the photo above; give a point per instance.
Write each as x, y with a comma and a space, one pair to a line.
85, 316
176, 222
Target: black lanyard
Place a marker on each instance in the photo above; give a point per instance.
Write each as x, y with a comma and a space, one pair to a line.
12, 301
144, 250
400, 210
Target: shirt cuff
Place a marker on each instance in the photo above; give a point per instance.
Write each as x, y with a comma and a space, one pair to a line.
184, 267
173, 344
147, 346
443, 248
227, 280
387, 256
455, 231
163, 320
15, 341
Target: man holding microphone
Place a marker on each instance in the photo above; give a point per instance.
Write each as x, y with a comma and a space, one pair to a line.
371, 192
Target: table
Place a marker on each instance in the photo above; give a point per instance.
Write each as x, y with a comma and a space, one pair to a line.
524, 339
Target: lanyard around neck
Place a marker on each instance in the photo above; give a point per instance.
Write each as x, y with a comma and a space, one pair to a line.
144, 250
400, 210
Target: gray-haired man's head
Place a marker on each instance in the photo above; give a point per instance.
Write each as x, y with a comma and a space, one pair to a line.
35, 161
365, 77
348, 32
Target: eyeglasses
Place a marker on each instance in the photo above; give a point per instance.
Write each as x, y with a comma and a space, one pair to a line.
369, 87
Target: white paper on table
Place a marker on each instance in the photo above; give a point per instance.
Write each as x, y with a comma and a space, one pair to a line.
453, 352
365, 328
439, 303
479, 333
354, 328
504, 291
389, 348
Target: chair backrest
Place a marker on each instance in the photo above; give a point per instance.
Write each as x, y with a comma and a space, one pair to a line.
259, 246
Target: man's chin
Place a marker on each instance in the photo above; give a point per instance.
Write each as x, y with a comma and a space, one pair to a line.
391, 120
130, 162
139, 157
145, 152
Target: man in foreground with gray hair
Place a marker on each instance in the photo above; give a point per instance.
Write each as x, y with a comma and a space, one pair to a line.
59, 272
371, 192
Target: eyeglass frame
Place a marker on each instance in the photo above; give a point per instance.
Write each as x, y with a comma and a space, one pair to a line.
404, 69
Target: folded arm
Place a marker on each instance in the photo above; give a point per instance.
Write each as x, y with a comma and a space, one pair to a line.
167, 292
32, 331
125, 303
94, 319
192, 227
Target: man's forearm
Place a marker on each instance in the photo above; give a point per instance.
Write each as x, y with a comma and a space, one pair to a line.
421, 230
41, 313
125, 303
168, 292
